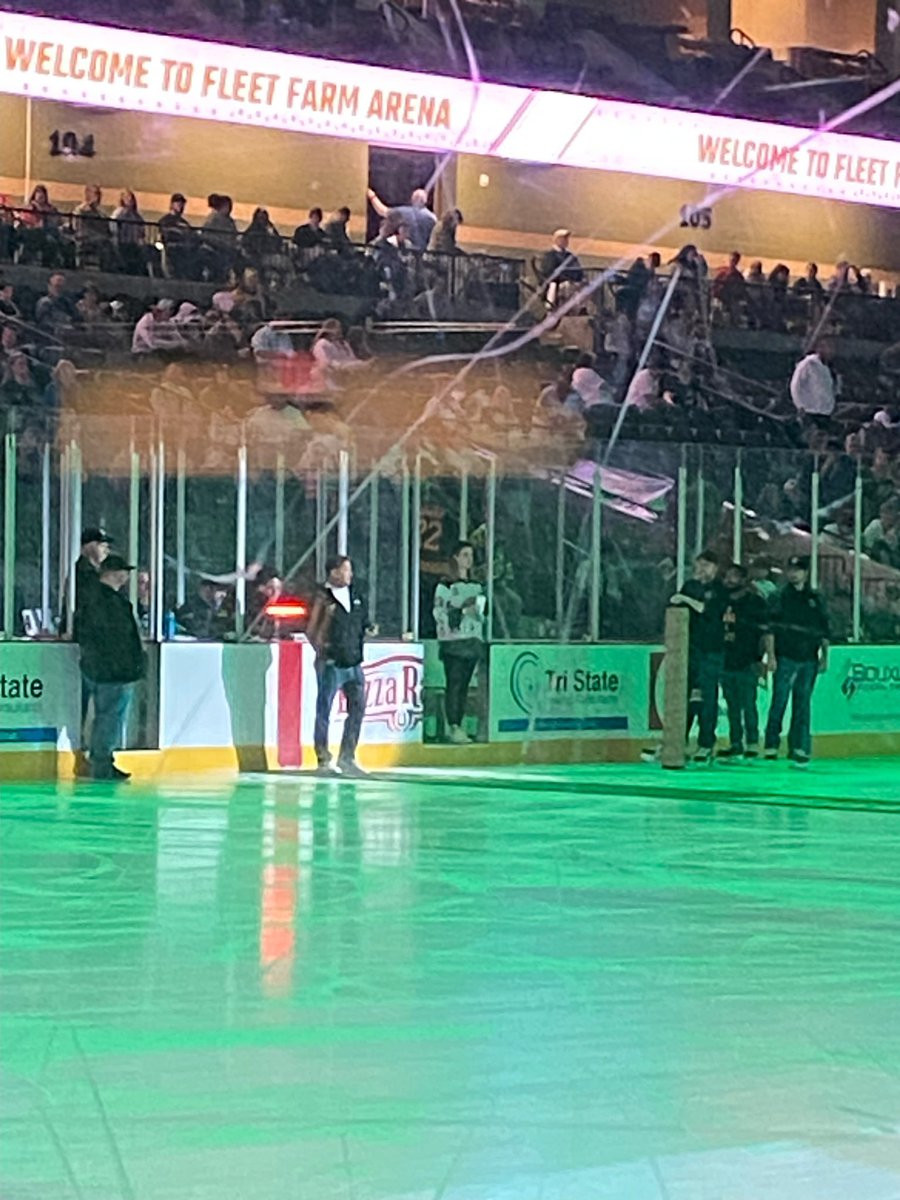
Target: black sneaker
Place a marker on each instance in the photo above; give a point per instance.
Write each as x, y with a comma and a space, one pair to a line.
120, 775
770, 755
799, 758
751, 753
703, 757
325, 769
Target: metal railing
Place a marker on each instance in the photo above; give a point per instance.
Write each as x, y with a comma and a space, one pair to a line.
568, 549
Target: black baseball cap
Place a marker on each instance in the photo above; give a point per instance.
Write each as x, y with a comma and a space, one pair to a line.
177, 197
115, 562
798, 562
94, 533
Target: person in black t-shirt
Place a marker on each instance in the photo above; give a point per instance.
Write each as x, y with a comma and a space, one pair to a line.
705, 596
797, 647
745, 621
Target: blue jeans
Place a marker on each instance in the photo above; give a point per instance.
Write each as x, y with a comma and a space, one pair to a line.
704, 673
111, 702
740, 696
351, 682
794, 681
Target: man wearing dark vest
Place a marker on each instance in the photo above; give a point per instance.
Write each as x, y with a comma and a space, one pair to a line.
336, 630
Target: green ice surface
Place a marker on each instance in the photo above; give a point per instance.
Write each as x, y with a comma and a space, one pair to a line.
530, 984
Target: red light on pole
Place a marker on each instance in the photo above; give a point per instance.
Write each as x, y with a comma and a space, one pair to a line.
286, 608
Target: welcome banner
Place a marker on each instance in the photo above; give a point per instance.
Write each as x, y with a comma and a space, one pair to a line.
114, 68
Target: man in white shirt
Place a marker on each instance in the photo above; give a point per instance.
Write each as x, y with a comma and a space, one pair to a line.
590, 385
156, 331
812, 384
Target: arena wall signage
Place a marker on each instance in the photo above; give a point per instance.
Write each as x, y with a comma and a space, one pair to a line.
545, 691
114, 68
40, 696
860, 691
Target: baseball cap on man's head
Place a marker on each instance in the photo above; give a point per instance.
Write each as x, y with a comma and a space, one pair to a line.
798, 562
115, 562
177, 198
93, 533
561, 233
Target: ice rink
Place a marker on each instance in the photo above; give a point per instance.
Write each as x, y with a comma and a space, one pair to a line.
533, 984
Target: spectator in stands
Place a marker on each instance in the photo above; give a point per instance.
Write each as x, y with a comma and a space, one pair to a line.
560, 269
838, 281
809, 285
618, 342
38, 231
335, 230
250, 306
8, 306
218, 237
55, 311
776, 300
334, 356
756, 295
797, 652
387, 251
179, 240
443, 236
9, 346
93, 235
730, 288
881, 537
130, 234
204, 616
589, 385
812, 383
189, 322
156, 332
261, 240
416, 216
310, 234
19, 388
645, 390
858, 283
632, 289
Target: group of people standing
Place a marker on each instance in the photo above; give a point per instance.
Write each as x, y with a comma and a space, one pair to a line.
741, 634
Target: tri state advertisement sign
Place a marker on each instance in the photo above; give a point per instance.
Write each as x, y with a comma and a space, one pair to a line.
40, 695
546, 691
69, 61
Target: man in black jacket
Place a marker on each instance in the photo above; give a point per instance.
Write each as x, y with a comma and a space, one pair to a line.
797, 648
705, 596
112, 661
336, 630
745, 620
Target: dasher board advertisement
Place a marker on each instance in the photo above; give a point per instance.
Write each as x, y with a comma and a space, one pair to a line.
40, 696
580, 691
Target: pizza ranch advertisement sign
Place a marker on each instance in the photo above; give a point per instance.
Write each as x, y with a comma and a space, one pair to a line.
113, 68
393, 679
